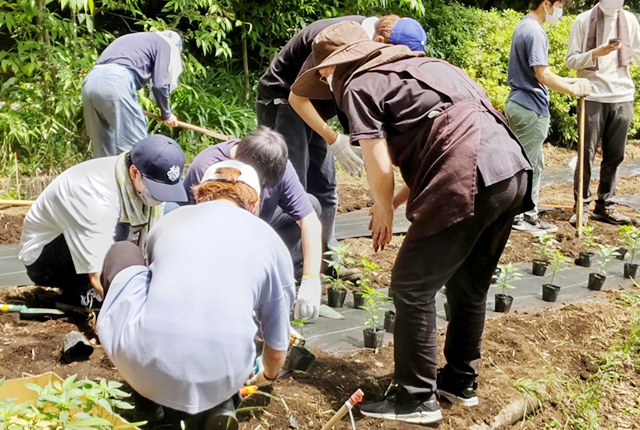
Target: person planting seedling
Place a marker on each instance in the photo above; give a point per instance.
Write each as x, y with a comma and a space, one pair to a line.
596, 280
546, 244
559, 261
508, 273
373, 301
630, 235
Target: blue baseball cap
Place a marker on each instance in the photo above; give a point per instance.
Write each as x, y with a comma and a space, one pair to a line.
409, 32
160, 160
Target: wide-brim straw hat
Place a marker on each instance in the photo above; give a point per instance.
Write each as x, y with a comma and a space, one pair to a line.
340, 43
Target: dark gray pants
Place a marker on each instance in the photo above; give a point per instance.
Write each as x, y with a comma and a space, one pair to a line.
312, 159
462, 257
609, 123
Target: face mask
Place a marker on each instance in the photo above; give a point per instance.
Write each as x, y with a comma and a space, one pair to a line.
147, 198
552, 19
611, 4
329, 80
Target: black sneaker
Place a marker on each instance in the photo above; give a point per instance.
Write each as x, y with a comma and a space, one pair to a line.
399, 405
460, 393
610, 214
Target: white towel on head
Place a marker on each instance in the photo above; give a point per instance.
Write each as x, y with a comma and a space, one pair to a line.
175, 63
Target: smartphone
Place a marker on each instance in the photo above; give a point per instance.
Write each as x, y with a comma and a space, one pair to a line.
614, 40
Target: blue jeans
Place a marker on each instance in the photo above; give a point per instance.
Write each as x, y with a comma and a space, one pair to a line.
112, 113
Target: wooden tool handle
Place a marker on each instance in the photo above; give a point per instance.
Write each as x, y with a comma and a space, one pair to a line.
192, 127
580, 199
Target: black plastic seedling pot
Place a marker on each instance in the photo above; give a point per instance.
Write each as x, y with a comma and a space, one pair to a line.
503, 302
373, 338
389, 321
584, 259
358, 299
335, 297
300, 358
621, 253
539, 267
630, 270
596, 280
550, 292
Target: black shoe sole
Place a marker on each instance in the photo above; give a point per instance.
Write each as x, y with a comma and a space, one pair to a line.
413, 418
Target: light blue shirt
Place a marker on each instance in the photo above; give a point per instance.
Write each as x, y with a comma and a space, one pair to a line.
182, 331
529, 48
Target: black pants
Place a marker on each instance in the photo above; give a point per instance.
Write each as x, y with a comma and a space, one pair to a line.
311, 158
463, 257
54, 268
290, 233
609, 123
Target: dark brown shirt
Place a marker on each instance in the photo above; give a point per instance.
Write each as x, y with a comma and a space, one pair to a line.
441, 129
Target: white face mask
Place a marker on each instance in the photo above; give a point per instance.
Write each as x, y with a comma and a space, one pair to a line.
611, 4
552, 19
329, 80
147, 198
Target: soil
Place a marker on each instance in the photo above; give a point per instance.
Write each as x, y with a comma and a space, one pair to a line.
556, 346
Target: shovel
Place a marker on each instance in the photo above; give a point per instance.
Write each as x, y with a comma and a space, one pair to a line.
192, 127
31, 313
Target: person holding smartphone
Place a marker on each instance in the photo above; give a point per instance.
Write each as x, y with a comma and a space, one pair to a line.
527, 107
602, 42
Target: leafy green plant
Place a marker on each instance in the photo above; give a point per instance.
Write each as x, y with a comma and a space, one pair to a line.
340, 260
558, 262
68, 404
368, 267
630, 236
546, 244
373, 301
508, 273
607, 253
590, 239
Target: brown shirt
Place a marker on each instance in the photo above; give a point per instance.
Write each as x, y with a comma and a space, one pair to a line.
441, 130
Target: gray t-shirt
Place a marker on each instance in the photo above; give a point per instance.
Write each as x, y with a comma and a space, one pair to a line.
182, 331
529, 48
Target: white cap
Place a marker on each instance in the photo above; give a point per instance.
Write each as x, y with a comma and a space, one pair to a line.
248, 174
369, 25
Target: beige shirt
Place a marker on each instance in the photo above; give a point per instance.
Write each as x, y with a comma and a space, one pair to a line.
611, 84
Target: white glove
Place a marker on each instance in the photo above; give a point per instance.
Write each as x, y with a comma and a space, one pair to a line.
581, 87
308, 300
343, 152
258, 378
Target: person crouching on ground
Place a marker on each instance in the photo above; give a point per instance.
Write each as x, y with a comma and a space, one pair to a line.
181, 331
466, 178
70, 227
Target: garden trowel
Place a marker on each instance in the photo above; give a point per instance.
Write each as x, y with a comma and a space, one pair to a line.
31, 313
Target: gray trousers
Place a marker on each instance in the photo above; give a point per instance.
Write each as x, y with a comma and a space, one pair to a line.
462, 257
531, 129
311, 158
607, 123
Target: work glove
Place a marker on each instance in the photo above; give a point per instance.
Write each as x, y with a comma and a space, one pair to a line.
343, 152
308, 300
581, 86
258, 377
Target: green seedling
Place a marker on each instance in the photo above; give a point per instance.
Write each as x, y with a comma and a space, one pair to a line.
373, 301
341, 260
300, 323
630, 236
508, 273
69, 404
368, 267
590, 239
559, 261
607, 253
546, 245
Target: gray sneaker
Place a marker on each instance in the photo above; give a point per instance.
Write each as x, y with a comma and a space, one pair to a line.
586, 214
543, 225
527, 227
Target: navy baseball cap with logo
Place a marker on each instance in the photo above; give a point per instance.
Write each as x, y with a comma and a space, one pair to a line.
161, 161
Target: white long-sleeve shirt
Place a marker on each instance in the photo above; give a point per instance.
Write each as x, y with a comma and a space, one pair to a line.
611, 84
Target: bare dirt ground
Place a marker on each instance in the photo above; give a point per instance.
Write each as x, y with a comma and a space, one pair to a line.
585, 356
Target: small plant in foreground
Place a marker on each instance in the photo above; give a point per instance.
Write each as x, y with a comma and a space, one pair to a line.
373, 301
338, 263
630, 236
508, 273
607, 253
546, 244
558, 262
590, 239
368, 267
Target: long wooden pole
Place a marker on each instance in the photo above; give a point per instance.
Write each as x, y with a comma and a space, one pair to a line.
580, 199
15, 159
353, 400
195, 128
16, 202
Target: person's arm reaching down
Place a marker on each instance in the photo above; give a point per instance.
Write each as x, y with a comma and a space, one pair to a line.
310, 291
